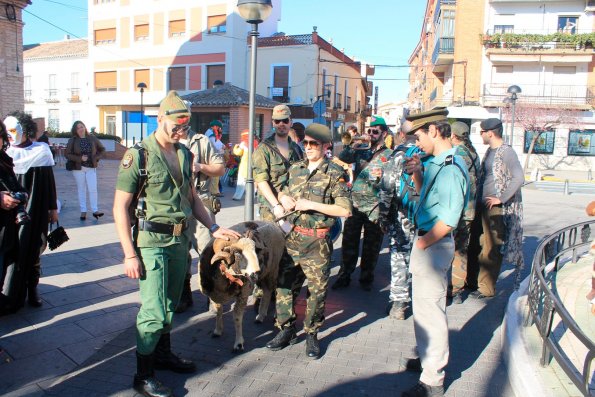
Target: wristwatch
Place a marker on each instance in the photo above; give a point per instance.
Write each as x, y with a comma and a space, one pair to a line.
214, 227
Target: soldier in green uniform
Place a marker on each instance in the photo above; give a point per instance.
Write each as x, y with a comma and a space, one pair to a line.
155, 252
317, 192
464, 148
270, 163
365, 193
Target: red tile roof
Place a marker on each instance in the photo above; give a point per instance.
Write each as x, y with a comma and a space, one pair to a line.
56, 49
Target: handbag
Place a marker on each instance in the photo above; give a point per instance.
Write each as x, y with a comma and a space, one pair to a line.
69, 165
57, 237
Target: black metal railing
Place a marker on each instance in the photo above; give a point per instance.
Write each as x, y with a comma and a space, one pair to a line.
544, 304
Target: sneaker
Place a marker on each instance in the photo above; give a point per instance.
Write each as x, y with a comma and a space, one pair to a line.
342, 282
412, 364
423, 390
397, 310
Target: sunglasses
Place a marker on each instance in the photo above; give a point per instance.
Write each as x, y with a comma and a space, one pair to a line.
482, 131
284, 121
307, 142
374, 131
180, 129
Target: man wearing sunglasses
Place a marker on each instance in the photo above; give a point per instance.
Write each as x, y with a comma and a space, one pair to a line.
317, 191
158, 173
364, 194
270, 163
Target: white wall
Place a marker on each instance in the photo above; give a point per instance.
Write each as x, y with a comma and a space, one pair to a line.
39, 70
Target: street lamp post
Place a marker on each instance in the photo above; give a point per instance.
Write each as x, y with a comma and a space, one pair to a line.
142, 87
513, 90
253, 12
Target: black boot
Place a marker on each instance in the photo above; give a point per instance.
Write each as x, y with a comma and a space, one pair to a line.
165, 359
186, 298
285, 337
32, 283
144, 380
312, 346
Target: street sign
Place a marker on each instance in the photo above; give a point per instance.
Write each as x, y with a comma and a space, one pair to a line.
319, 107
319, 120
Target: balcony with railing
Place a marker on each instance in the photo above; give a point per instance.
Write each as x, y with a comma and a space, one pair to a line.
497, 42
52, 95
443, 55
74, 95
29, 96
576, 96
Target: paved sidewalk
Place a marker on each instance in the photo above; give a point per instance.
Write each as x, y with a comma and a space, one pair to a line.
82, 341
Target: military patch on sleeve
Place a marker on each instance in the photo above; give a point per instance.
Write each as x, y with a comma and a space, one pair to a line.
127, 160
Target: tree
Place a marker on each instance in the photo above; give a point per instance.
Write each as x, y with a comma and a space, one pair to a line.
540, 119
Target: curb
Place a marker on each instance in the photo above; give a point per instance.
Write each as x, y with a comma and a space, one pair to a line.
521, 373
556, 179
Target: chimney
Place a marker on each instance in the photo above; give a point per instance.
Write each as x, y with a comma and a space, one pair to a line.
67, 37
314, 35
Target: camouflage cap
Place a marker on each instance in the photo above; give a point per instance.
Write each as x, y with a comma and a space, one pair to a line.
175, 108
319, 132
418, 120
281, 112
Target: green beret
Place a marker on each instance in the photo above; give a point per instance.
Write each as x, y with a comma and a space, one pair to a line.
418, 120
376, 120
319, 132
216, 123
175, 108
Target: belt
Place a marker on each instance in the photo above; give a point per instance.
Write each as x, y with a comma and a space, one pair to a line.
318, 233
163, 228
421, 233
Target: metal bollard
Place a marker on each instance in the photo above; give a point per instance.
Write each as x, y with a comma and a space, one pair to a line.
589, 175
566, 187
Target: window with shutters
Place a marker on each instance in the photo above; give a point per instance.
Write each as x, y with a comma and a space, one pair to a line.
142, 76
280, 89
214, 73
177, 78
216, 24
177, 28
105, 36
141, 32
106, 81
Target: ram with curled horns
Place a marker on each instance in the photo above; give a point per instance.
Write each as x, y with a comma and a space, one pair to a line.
228, 270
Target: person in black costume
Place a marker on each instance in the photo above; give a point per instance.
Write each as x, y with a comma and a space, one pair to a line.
33, 164
8, 226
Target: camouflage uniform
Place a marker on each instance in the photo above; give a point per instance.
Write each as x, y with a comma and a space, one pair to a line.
310, 255
268, 165
462, 232
364, 195
400, 229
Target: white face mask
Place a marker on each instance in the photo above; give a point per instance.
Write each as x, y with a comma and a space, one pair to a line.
15, 131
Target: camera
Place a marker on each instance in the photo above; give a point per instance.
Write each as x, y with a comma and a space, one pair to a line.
22, 215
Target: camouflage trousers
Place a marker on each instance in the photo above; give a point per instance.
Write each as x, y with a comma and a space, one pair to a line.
400, 239
459, 262
373, 236
310, 260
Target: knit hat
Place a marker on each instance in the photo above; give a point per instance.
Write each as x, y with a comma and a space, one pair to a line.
216, 123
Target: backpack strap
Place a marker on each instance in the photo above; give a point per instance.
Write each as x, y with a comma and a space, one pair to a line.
141, 205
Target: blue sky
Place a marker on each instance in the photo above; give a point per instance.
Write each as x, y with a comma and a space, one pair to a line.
384, 34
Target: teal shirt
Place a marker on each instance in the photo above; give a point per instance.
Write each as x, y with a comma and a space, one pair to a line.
447, 195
